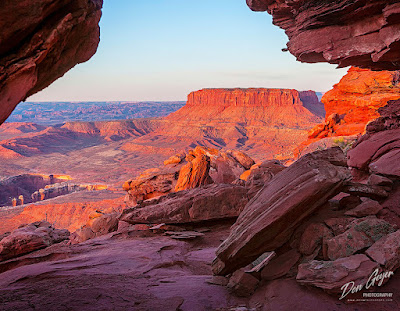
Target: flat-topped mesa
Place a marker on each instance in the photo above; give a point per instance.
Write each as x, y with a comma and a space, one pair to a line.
253, 106
363, 33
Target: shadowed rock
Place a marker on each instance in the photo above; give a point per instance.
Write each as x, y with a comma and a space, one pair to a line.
362, 234
201, 204
30, 238
344, 32
40, 41
387, 251
378, 153
332, 275
269, 219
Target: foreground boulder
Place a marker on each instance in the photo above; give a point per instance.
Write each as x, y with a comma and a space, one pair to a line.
344, 32
41, 40
270, 218
30, 238
332, 275
212, 202
98, 224
386, 251
260, 174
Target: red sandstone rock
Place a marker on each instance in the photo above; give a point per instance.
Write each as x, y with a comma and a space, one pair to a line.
364, 190
312, 238
270, 218
105, 224
244, 160
367, 208
389, 118
363, 233
198, 167
280, 265
332, 275
81, 235
344, 32
261, 174
40, 42
267, 106
377, 152
386, 251
377, 180
355, 101
195, 173
161, 274
30, 238
245, 119
339, 225
242, 284
201, 204
71, 215
152, 183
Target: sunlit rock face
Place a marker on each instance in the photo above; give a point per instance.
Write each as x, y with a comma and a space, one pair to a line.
40, 41
355, 100
254, 106
363, 33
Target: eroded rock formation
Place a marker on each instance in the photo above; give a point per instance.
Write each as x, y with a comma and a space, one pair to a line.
71, 215
344, 32
270, 218
40, 42
198, 167
213, 202
30, 238
355, 100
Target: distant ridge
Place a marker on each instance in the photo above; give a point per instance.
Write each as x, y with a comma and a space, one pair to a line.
50, 113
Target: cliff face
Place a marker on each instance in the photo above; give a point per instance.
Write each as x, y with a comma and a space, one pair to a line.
355, 101
363, 33
272, 107
40, 41
261, 122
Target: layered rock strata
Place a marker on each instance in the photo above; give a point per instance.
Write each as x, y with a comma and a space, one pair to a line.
270, 218
344, 32
213, 202
355, 100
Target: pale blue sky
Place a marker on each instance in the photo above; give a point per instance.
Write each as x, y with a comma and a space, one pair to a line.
164, 49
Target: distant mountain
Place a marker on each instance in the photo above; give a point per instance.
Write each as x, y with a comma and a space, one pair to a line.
61, 112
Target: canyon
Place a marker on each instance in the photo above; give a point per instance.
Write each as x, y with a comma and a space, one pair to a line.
61, 112
251, 120
219, 212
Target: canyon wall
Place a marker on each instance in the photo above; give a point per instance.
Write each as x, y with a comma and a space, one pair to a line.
262, 122
362, 33
40, 41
